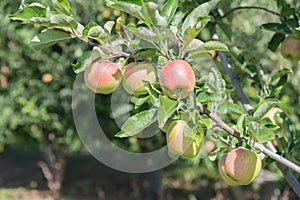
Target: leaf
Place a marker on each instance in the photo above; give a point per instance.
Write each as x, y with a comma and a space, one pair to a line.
82, 62
63, 21
275, 41
241, 124
206, 97
169, 10
191, 32
193, 18
85, 32
144, 33
62, 7
138, 122
134, 8
265, 135
276, 27
48, 38
109, 26
29, 12
209, 46
281, 73
166, 108
263, 107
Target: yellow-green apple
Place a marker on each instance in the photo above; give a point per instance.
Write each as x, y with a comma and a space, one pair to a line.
183, 140
133, 76
291, 48
103, 77
240, 166
177, 79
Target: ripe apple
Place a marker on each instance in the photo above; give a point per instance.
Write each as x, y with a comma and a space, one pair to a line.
133, 76
103, 77
291, 48
239, 167
177, 79
182, 139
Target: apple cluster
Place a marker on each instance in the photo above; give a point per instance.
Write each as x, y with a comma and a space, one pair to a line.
177, 81
176, 78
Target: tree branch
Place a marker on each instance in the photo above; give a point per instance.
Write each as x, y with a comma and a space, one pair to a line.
270, 150
251, 7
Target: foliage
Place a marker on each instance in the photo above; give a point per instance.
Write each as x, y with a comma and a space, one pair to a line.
168, 31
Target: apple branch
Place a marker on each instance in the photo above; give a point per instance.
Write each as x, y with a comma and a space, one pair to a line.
251, 7
236, 134
270, 149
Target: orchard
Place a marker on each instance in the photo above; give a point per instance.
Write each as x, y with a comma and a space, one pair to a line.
214, 92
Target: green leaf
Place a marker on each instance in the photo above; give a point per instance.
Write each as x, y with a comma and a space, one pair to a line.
48, 38
29, 12
63, 21
276, 27
209, 46
206, 97
169, 10
138, 122
192, 19
85, 32
226, 28
62, 7
275, 41
134, 8
191, 32
166, 109
241, 124
263, 107
265, 135
281, 73
82, 62
144, 33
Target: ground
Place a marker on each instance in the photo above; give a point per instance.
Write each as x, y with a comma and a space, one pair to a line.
88, 179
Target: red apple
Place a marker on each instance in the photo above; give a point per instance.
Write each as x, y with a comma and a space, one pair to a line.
133, 76
240, 166
103, 77
291, 48
183, 140
177, 79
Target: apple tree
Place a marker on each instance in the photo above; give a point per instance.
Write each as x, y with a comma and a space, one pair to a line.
195, 74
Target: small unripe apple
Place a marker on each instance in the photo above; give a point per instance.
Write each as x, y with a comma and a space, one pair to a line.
291, 48
240, 166
182, 140
103, 77
177, 79
133, 76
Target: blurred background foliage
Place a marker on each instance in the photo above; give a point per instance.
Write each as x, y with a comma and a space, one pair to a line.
36, 95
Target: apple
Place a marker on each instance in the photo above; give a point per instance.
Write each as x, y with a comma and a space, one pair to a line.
47, 78
239, 167
183, 140
291, 48
133, 76
177, 79
103, 77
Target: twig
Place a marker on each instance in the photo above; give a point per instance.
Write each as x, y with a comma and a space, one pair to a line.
236, 134
250, 7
